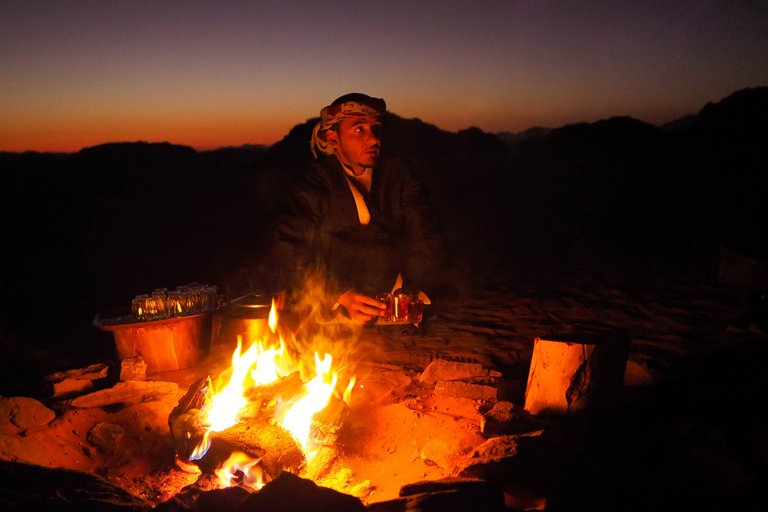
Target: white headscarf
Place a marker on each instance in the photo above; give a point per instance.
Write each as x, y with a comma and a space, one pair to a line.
333, 114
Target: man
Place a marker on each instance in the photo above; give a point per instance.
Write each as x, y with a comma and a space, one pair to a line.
357, 218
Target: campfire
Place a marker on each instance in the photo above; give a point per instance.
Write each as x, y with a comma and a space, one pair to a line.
263, 416
281, 404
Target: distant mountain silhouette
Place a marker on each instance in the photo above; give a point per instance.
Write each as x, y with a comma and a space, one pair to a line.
679, 125
536, 131
743, 112
89, 230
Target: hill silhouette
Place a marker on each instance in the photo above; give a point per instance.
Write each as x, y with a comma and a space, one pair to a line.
88, 231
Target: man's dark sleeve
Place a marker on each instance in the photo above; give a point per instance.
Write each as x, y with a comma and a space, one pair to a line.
295, 230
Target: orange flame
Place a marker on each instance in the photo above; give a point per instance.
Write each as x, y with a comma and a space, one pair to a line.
263, 366
223, 409
242, 469
298, 419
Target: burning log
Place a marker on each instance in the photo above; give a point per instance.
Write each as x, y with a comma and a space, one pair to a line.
264, 395
258, 438
330, 418
575, 374
276, 447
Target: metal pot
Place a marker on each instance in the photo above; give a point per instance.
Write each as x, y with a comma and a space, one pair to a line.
246, 318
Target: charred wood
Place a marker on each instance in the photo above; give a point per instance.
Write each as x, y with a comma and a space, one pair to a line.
258, 438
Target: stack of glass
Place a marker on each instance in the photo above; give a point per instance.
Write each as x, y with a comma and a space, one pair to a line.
400, 307
191, 299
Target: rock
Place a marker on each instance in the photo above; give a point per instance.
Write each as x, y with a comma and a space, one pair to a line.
106, 437
25, 413
446, 484
446, 495
502, 412
130, 392
69, 388
290, 493
466, 390
447, 450
441, 370
528, 467
504, 419
494, 450
199, 499
25, 487
92, 372
133, 368
362, 489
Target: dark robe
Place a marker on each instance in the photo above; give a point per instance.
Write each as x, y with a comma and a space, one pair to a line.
320, 234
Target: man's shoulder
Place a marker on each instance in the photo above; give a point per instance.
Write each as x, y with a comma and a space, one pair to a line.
395, 160
397, 167
323, 169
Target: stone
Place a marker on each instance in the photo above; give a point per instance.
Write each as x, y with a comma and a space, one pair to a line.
457, 498
362, 489
447, 450
441, 370
92, 372
34, 487
494, 450
503, 419
446, 484
289, 493
466, 390
133, 368
69, 388
25, 413
106, 437
130, 392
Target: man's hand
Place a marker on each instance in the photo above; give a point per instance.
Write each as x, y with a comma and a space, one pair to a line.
361, 308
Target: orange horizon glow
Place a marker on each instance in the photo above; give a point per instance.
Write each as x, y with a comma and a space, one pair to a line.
180, 128
235, 73
72, 141
203, 135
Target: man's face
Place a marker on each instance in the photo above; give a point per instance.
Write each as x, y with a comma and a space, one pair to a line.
358, 142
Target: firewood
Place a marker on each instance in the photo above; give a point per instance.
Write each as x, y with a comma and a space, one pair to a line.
184, 420
198, 394
258, 437
575, 374
320, 464
332, 415
284, 387
276, 447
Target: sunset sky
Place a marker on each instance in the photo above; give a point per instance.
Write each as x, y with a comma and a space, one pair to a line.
216, 73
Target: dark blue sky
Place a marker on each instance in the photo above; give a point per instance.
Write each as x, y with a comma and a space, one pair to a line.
206, 74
